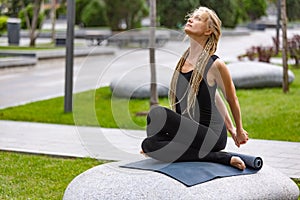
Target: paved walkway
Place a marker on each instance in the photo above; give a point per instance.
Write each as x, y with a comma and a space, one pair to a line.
118, 144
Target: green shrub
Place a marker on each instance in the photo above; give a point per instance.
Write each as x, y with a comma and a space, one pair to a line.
3, 23
94, 14
80, 5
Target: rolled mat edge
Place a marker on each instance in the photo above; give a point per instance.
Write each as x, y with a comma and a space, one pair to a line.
254, 162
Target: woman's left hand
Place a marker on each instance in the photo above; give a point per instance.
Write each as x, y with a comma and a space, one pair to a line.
239, 137
242, 136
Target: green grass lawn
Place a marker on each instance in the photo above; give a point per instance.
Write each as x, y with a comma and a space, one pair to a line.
45, 46
267, 113
270, 114
297, 181
25, 176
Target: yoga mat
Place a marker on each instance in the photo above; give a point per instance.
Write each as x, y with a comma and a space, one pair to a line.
193, 173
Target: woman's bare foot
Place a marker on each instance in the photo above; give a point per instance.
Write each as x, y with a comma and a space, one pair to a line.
143, 153
237, 162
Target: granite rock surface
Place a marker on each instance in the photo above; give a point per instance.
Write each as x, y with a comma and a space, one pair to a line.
109, 181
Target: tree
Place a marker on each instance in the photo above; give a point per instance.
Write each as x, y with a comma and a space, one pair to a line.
153, 86
231, 12
80, 4
33, 23
228, 11
254, 8
53, 19
3, 7
137, 10
129, 11
94, 14
172, 13
292, 8
285, 83
61, 11
13, 6
27, 14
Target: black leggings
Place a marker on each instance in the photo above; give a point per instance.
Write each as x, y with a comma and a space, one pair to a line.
172, 137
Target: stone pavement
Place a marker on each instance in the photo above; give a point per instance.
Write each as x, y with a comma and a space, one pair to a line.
119, 144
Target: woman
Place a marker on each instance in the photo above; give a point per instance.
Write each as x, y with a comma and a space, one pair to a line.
196, 127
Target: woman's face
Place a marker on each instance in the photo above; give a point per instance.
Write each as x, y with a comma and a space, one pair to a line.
197, 25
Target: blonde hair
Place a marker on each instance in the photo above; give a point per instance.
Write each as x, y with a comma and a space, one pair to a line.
210, 48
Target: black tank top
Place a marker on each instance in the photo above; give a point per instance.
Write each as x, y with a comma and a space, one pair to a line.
205, 110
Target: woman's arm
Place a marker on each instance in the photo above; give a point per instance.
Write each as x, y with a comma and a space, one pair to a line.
224, 112
228, 122
224, 81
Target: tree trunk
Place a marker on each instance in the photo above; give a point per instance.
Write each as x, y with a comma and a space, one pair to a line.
53, 20
36, 11
153, 87
285, 83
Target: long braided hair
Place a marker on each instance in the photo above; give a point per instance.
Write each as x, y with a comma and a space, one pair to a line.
197, 75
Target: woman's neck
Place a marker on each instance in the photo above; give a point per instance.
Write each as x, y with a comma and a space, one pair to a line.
196, 48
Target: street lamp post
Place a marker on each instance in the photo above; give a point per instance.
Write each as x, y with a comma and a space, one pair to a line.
278, 5
69, 56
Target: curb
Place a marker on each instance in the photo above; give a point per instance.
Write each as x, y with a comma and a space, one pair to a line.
17, 61
30, 58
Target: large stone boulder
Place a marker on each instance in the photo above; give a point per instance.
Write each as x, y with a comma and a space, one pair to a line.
257, 74
136, 84
109, 181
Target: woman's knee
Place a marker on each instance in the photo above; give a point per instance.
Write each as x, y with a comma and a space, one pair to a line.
156, 112
156, 120
146, 145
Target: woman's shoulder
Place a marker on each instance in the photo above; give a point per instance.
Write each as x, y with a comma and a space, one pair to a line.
219, 64
214, 57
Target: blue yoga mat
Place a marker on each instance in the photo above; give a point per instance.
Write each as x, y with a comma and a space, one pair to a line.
193, 173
